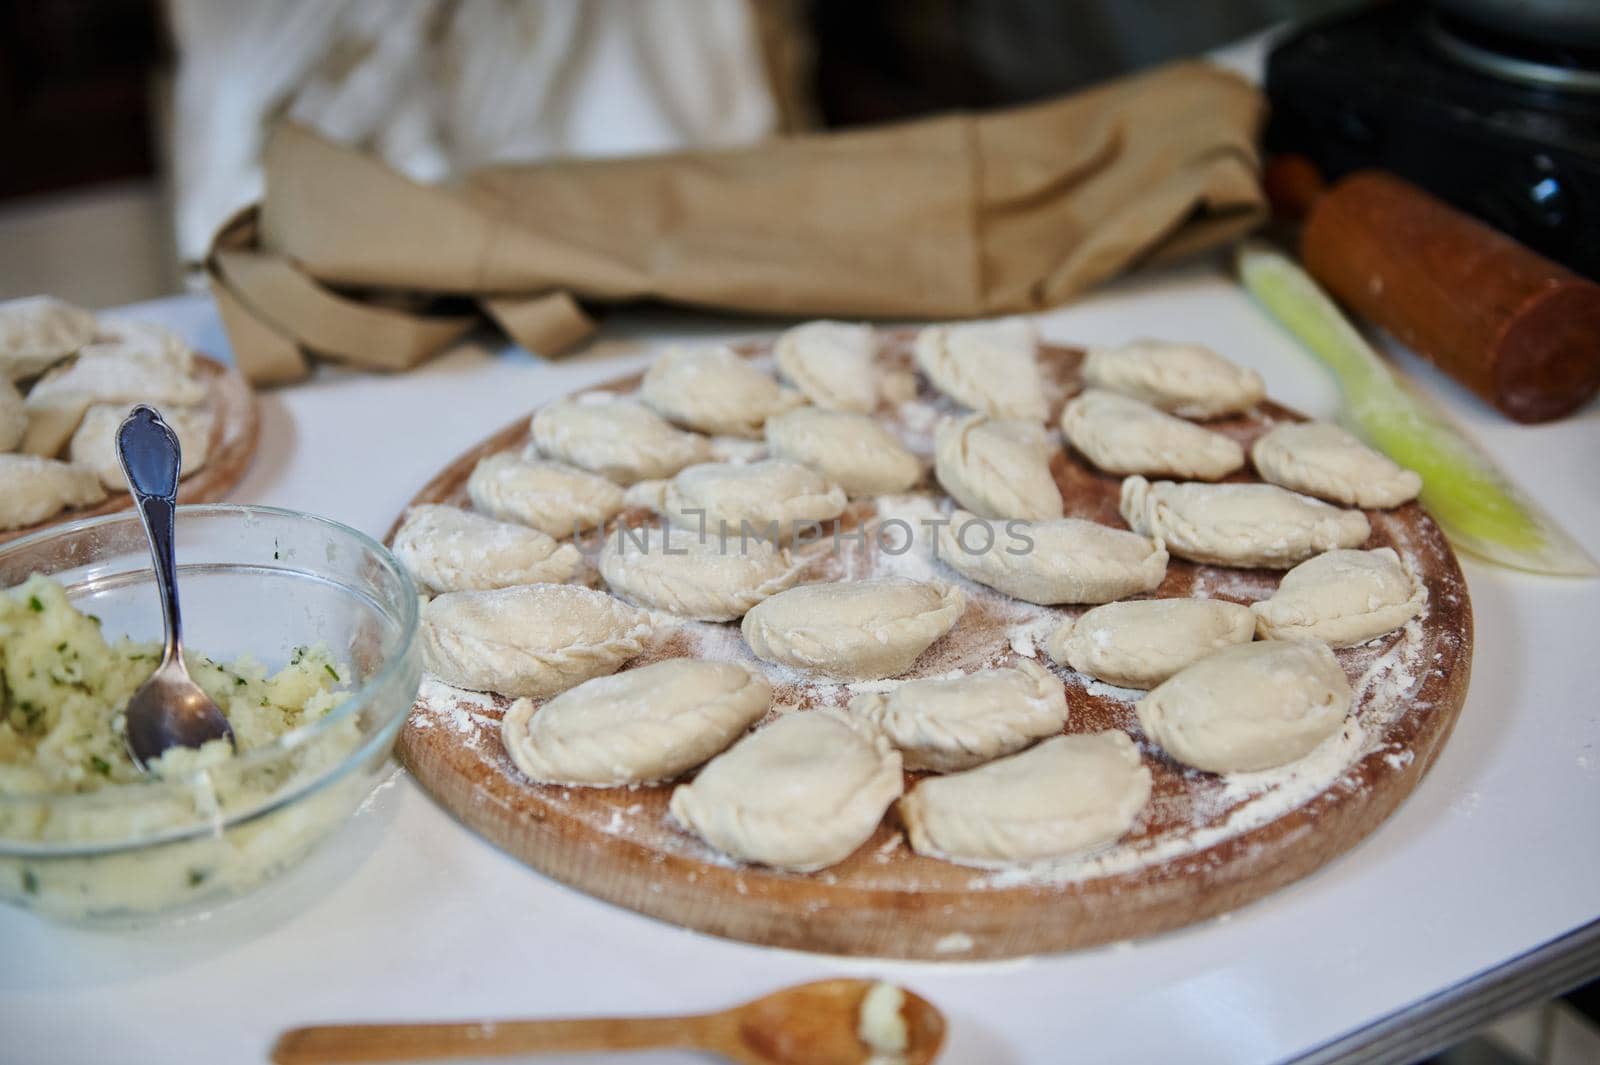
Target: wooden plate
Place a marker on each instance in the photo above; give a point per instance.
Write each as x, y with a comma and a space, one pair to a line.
233, 445
1205, 845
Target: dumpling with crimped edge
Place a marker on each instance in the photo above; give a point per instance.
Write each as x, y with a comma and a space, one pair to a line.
1142, 642
951, 723
1321, 459
997, 469
701, 578
533, 640
1067, 560
557, 499
1255, 706
1065, 796
854, 630
851, 450
714, 390
620, 439
58, 402
832, 363
990, 367
447, 549
774, 498
1123, 435
39, 331
13, 416
1342, 598
640, 726
94, 443
1188, 380
33, 489
800, 794
1239, 524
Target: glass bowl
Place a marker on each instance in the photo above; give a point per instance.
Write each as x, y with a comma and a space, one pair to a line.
258, 582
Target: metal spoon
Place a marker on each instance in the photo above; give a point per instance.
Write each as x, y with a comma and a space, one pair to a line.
812, 1024
169, 709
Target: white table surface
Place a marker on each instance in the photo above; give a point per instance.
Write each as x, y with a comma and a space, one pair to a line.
406, 915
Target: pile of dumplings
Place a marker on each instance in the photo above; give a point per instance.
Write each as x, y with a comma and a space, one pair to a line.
67, 379
1230, 687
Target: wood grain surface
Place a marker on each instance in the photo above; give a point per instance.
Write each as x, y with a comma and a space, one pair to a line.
1204, 846
233, 444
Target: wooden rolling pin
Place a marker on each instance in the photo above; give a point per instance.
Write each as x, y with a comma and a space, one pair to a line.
1519, 330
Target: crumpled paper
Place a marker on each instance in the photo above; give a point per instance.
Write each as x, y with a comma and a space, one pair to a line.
957, 216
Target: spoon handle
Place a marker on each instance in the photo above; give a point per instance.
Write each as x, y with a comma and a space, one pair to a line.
147, 448
334, 1044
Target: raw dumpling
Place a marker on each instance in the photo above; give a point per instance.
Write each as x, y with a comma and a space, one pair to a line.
132, 338
1250, 707
1067, 795
13, 416
1068, 560
1239, 524
1141, 643
636, 727
1120, 434
991, 367
448, 549
702, 578
852, 450
1342, 598
33, 489
557, 499
1321, 459
956, 723
714, 390
1183, 379
777, 498
94, 444
58, 402
997, 469
533, 640
616, 438
38, 332
857, 630
832, 363
801, 794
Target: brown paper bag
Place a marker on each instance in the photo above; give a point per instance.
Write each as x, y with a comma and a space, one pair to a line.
956, 216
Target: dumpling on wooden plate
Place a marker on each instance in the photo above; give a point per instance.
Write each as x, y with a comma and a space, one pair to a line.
990, 367
832, 363
1068, 795
619, 439
557, 499
58, 402
800, 794
33, 489
1123, 435
701, 578
39, 331
533, 640
636, 727
951, 723
1188, 380
447, 549
714, 390
1321, 459
853, 630
1342, 598
851, 450
1142, 642
1251, 707
997, 469
1239, 524
1068, 560
774, 499
94, 443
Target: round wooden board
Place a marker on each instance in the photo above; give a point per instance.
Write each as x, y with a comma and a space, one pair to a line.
1204, 845
233, 445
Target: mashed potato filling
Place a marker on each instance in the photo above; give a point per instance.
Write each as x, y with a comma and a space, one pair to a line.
63, 688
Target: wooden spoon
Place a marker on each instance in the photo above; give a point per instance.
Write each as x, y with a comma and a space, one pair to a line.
811, 1024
